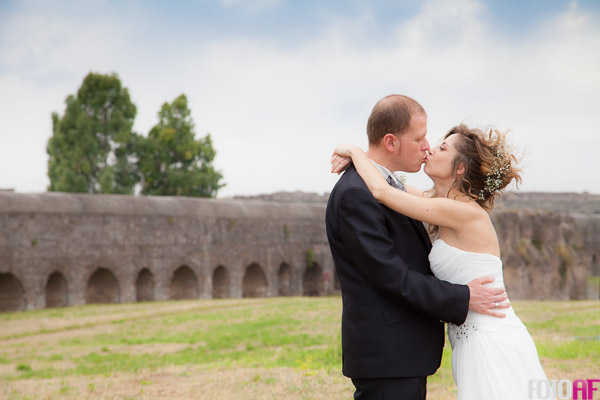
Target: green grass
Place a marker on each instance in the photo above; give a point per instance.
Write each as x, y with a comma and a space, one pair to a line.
272, 333
299, 333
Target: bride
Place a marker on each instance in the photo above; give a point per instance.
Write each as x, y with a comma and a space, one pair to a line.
492, 358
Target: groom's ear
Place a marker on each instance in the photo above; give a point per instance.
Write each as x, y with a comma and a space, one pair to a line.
390, 141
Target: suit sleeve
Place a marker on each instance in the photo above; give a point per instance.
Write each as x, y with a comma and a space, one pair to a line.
362, 227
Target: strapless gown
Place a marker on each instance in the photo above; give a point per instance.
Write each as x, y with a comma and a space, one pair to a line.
492, 358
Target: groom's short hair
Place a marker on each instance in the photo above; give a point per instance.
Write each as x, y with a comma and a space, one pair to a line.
392, 115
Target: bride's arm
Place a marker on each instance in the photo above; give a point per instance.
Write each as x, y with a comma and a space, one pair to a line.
438, 211
413, 190
340, 163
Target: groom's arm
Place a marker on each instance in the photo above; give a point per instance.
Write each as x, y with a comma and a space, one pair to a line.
362, 226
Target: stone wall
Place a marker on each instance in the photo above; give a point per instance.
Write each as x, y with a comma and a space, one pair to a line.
549, 255
61, 249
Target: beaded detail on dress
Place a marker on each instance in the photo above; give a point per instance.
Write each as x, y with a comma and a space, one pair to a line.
461, 332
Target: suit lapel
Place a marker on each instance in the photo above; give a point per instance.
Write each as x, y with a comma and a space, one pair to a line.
418, 226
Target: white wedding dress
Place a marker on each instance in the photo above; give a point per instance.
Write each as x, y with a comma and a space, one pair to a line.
492, 358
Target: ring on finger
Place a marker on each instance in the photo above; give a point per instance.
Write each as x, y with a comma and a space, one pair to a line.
496, 305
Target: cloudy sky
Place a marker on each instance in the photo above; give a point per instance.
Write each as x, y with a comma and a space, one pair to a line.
278, 83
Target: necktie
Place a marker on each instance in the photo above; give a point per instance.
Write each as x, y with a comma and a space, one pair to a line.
393, 183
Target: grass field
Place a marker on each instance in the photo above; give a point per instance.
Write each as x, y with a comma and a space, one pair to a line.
276, 348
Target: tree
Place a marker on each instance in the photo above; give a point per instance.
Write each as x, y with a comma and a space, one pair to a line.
92, 148
172, 162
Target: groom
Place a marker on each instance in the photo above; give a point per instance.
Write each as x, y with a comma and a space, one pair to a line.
393, 306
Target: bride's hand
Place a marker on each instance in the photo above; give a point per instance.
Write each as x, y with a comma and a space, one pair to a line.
341, 158
339, 163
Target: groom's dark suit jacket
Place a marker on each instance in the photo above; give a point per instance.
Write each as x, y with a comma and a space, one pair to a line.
392, 304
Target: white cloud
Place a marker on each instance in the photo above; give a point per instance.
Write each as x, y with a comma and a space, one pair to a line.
253, 5
275, 113
443, 24
569, 50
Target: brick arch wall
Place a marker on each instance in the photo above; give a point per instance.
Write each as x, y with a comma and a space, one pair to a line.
11, 293
102, 287
145, 286
284, 280
75, 234
221, 282
57, 290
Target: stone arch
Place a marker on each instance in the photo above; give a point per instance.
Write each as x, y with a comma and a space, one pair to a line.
312, 282
102, 287
12, 295
284, 280
57, 293
220, 283
254, 282
144, 286
184, 284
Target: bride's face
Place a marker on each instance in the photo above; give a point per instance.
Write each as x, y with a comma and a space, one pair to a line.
441, 158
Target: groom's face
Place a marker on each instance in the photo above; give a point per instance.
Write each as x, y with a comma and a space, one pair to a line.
412, 147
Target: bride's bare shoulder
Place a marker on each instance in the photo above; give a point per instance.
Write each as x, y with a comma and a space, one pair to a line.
478, 212
467, 210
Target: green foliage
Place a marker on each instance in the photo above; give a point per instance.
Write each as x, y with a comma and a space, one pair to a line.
523, 251
172, 162
537, 243
564, 254
56, 357
310, 258
93, 148
286, 231
593, 280
92, 143
24, 368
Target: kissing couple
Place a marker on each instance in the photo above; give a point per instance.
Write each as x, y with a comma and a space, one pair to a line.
398, 289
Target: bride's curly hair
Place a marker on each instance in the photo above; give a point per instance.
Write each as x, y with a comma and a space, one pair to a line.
489, 165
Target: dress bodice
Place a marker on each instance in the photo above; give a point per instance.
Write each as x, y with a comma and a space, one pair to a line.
454, 265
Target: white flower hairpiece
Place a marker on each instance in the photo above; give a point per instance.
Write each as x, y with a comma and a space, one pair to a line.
494, 178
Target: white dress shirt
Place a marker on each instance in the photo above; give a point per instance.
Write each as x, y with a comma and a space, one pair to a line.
386, 172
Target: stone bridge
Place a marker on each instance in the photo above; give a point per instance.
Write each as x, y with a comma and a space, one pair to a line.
60, 249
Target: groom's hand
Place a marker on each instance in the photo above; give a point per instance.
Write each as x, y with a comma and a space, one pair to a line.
487, 300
